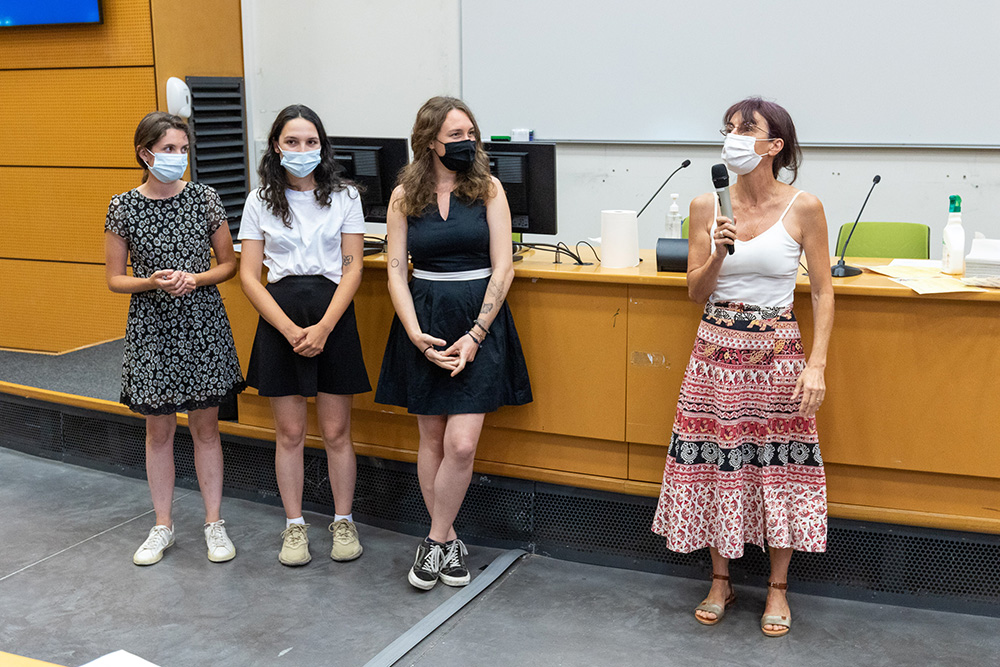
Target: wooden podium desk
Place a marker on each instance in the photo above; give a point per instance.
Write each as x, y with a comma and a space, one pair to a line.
908, 428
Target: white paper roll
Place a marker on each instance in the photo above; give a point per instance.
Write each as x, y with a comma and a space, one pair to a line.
619, 239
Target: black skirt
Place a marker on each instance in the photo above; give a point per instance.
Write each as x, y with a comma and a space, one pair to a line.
497, 376
276, 370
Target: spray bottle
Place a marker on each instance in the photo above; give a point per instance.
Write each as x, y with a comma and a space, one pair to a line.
674, 219
953, 247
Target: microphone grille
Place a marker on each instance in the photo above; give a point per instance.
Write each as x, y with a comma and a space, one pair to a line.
720, 175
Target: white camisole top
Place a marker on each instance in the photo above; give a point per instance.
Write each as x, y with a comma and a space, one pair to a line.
762, 270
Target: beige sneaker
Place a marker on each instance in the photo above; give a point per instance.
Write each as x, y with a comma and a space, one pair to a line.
346, 545
295, 545
160, 538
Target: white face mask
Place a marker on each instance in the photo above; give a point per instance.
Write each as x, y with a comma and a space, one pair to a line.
739, 155
168, 167
300, 164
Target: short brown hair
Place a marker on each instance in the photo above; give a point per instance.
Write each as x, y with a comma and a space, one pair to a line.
779, 126
151, 129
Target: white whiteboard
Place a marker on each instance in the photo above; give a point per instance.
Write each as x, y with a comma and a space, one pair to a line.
882, 73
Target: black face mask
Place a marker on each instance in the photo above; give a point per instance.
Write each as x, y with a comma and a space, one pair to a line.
459, 155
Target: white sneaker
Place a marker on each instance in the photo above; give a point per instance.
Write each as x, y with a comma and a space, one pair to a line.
159, 540
220, 547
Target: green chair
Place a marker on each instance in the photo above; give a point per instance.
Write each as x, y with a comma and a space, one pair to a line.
905, 240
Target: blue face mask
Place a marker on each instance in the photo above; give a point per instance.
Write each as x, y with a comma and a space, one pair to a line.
300, 164
168, 167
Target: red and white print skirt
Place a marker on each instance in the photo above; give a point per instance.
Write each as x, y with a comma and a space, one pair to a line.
743, 465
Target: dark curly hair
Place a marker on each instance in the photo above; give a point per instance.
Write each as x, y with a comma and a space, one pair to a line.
274, 181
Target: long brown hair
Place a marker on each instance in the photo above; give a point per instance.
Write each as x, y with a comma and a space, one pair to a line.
779, 126
274, 181
417, 178
151, 129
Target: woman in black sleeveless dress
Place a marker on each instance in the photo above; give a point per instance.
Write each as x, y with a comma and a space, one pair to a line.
453, 353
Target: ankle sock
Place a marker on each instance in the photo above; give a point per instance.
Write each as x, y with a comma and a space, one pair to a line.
349, 517
298, 520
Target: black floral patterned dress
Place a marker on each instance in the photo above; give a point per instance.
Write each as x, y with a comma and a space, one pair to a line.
179, 351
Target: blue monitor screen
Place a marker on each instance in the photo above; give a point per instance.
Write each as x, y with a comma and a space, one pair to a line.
48, 12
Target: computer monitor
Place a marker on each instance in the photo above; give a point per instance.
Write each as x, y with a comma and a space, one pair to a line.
528, 172
375, 164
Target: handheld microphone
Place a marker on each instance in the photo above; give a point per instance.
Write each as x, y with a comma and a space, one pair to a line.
684, 164
720, 178
841, 270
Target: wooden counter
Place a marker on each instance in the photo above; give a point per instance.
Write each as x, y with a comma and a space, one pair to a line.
908, 428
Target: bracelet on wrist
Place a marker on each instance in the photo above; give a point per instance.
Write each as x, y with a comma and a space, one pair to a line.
477, 323
471, 335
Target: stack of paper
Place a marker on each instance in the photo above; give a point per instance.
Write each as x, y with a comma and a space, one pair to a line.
982, 264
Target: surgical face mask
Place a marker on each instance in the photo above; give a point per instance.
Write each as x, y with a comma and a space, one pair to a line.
300, 164
459, 155
739, 155
168, 167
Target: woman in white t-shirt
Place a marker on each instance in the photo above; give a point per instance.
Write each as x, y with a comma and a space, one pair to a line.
305, 224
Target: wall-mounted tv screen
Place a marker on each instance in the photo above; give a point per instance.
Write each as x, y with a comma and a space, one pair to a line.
49, 12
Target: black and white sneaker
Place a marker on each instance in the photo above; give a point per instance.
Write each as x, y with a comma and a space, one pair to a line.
453, 569
427, 565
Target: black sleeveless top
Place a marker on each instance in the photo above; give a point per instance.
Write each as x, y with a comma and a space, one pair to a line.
460, 243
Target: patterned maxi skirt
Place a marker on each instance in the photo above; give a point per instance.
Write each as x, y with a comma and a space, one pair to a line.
743, 465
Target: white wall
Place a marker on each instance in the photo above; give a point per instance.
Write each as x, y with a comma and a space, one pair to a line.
366, 67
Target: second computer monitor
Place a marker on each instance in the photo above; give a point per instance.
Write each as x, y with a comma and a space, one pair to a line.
374, 163
527, 171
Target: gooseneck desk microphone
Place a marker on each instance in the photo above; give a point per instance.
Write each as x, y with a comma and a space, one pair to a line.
841, 270
684, 164
720, 179
671, 254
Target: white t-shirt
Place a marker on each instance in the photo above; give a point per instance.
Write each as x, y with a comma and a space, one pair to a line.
311, 247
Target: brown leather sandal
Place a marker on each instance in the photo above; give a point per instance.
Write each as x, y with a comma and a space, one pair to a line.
712, 608
774, 619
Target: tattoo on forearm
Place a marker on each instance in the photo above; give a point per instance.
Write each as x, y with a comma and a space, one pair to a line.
348, 259
495, 292
394, 263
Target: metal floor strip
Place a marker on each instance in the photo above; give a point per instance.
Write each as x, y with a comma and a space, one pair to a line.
432, 621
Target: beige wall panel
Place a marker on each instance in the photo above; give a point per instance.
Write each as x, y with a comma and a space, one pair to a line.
37, 224
573, 335
196, 38
894, 398
55, 307
123, 39
916, 492
662, 323
73, 118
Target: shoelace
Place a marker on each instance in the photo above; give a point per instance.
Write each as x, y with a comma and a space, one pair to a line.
432, 559
342, 532
158, 538
452, 557
295, 534
216, 535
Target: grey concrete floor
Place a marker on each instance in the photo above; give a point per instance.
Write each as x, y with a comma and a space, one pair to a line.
70, 593
95, 371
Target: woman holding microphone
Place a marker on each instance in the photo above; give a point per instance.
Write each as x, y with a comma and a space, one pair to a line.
744, 463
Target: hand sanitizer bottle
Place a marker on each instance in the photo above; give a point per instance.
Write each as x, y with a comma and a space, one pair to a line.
674, 219
953, 248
